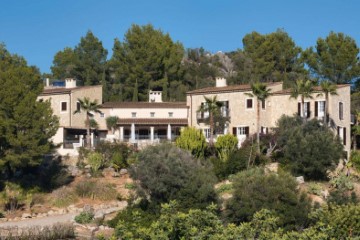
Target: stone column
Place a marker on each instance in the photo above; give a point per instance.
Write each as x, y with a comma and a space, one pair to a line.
152, 134
121, 134
169, 132
92, 139
133, 133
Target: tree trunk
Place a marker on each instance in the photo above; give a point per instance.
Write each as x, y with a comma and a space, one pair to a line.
211, 141
88, 139
258, 126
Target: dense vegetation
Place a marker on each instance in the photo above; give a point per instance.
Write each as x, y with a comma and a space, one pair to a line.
148, 58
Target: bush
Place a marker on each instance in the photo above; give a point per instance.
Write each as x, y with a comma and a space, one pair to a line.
95, 161
13, 196
254, 190
165, 173
114, 153
84, 217
193, 140
309, 149
355, 159
314, 188
225, 145
341, 181
63, 197
96, 190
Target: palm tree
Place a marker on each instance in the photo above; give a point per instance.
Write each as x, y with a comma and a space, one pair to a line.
304, 89
88, 106
261, 92
356, 129
111, 123
212, 106
328, 88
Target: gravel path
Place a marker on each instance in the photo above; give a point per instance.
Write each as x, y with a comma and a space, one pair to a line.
43, 221
51, 220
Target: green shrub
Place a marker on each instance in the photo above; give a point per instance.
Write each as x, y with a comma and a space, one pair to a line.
193, 140
341, 181
355, 159
225, 188
309, 149
225, 145
96, 190
255, 190
13, 196
114, 152
63, 197
118, 162
2, 215
95, 161
314, 188
130, 186
84, 217
165, 172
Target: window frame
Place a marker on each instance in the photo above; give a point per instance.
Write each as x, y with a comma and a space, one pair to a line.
341, 110
133, 114
61, 106
252, 103
152, 114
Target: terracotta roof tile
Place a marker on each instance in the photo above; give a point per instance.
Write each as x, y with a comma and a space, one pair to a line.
153, 121
144, 105
62, 90
231, 88
316, 89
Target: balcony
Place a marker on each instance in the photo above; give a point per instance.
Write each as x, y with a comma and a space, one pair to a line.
204, 116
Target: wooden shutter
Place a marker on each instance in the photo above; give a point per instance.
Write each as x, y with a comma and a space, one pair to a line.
202, 112
263, 104
299, 109
234, 131
247, 131
344, 136
267, 130
316, 108
308, 110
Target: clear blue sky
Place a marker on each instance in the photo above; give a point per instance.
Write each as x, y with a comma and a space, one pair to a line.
38, 29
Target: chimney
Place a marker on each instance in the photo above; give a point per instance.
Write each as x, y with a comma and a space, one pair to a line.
155, 96
220, 82
47, 82
70, 83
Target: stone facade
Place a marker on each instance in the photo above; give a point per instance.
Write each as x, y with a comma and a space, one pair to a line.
243, 118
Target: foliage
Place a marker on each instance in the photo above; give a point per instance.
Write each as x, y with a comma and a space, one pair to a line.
114, 154
95, 161
13, 196
165, 173
150, 58
96, 190
254, 190
86, 62
54, 232
26, 125
226, 187
341, 181
111, 123
269, 57
225, 145
63, 197
303, 89
334, 58
314, 188
355, 159
193, 140
344, 220
84, 217
308, 149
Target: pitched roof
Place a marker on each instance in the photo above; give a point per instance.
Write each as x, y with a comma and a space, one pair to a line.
144, 105
316, 89
231, 88
153, 121
62, 90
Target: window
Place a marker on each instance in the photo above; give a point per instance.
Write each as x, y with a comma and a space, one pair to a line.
241, 131
225, 108
263, 104
171, 114
307, 109
249, 103
78, 108
152, 114
133, 114
204, 114
341, 131
206, 132
319, 109
341, 111
63, 106
41, 100
264, 130
102, 115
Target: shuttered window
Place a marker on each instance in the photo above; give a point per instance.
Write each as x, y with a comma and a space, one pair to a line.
63, 106
249, 103
341, 111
